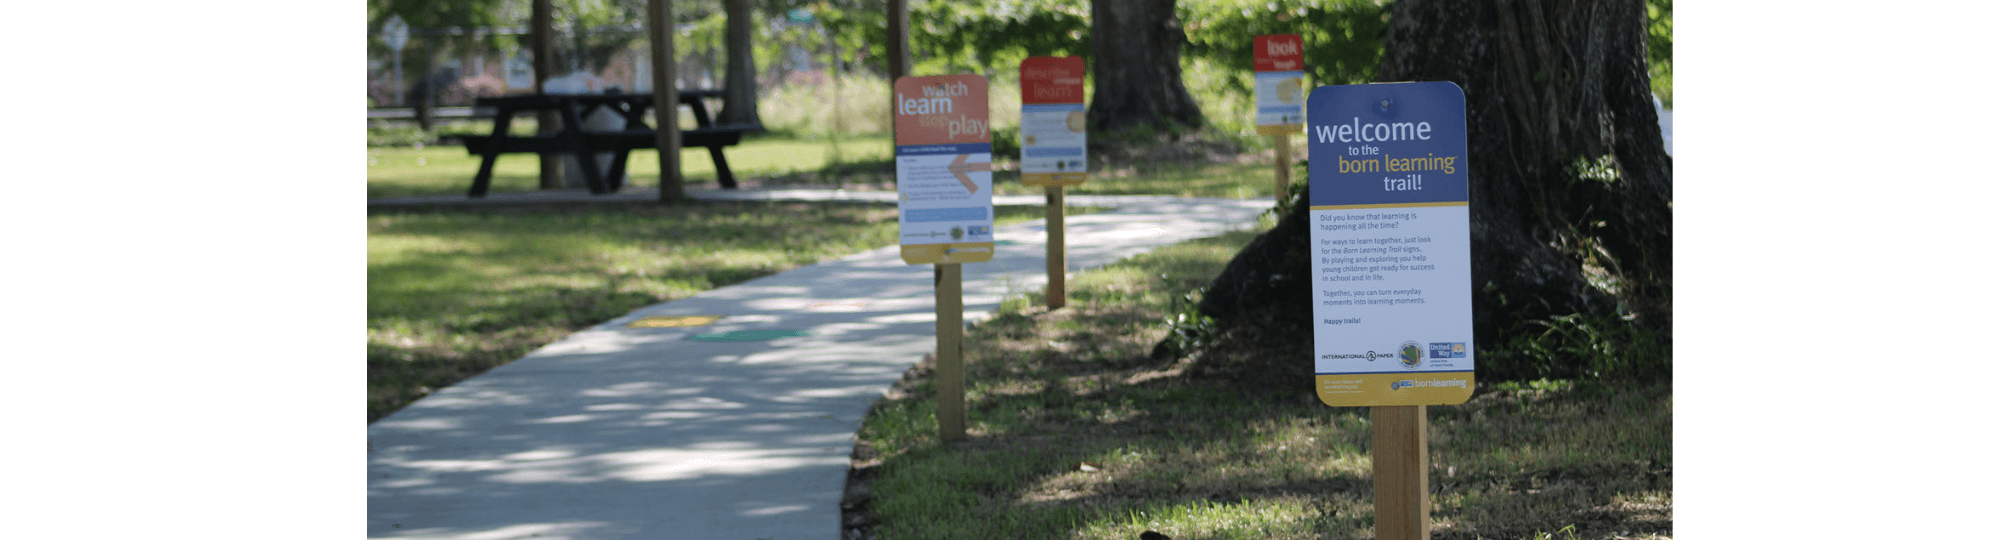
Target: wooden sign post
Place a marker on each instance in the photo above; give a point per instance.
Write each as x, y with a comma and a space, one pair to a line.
950, 352
1279, 63
1058, 258
1392, 273
1402, 472
944, 215
1053, 149
1283, 142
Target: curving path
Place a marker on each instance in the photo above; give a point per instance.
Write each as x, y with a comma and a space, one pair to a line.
645, 433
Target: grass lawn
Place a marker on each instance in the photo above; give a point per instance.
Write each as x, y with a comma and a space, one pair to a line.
453, 292
1076, 433
447, 169
860, 163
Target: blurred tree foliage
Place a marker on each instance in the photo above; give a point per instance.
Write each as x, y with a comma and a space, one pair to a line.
1343, 38
1660, 48
993, 37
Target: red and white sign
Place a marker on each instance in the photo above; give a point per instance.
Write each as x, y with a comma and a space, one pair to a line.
1052, 121
1052, 79
1278, 52
944, 173
1280, 63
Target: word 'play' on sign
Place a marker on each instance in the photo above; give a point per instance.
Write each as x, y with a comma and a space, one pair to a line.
944, 178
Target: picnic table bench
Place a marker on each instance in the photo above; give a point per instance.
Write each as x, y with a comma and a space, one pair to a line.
573, 139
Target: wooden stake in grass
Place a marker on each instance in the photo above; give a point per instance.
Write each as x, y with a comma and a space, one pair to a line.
666, 114
541, 25
1058, 292
1284, 144
1402, 473
950, 361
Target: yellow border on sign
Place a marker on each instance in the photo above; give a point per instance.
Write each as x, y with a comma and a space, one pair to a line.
1373, 389
1390, 205
1281, 129
966, 252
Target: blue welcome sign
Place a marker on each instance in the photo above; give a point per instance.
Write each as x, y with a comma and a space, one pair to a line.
1391, 243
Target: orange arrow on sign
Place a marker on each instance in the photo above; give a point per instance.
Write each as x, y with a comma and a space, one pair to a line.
959, 167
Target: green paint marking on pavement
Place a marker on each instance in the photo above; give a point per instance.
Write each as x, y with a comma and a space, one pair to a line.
749, 335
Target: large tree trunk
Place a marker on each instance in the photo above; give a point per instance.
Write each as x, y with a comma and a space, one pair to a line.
1137, 66
1548, 84
739, 80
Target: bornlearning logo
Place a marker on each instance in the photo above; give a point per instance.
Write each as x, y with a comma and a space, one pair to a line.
1410, 355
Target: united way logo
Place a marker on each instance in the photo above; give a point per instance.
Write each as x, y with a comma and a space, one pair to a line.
1410, 355
1448, 350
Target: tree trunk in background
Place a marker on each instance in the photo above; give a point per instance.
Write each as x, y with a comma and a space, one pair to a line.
666, 90
739, 81
1548, 83
898, 62
541, 27
1136, 48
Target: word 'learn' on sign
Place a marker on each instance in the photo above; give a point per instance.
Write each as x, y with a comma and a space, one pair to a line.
1391, 245
944, 178
1053, 138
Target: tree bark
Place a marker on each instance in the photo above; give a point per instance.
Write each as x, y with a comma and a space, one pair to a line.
541, 38
1549, 84
666, 97
1136, 46
898, 62
739, 81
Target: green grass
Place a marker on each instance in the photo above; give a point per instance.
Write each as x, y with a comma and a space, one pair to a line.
453, 292
863, 163
448, 170
1076, 433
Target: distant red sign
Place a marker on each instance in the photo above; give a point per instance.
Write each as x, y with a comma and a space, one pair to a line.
1278, 52
1052, 79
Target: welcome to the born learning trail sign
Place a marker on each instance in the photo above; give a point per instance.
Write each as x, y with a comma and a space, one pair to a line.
1391, 243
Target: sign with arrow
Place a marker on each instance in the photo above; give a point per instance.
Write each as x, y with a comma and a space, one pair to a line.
944, 178
959, 169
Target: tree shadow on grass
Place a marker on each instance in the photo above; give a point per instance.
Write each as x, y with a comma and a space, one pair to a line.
1069, 446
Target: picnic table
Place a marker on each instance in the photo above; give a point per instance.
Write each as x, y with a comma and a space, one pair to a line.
573, 139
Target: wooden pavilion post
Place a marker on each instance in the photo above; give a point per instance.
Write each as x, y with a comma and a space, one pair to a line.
666, 100
540, 24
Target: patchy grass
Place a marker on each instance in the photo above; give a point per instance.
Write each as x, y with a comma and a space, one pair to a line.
455, 291
447, 170
1076, 432
857, 163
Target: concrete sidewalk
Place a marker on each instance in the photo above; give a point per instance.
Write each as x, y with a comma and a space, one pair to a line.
646, 433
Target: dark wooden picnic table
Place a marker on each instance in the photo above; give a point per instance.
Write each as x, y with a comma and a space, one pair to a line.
585, 144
